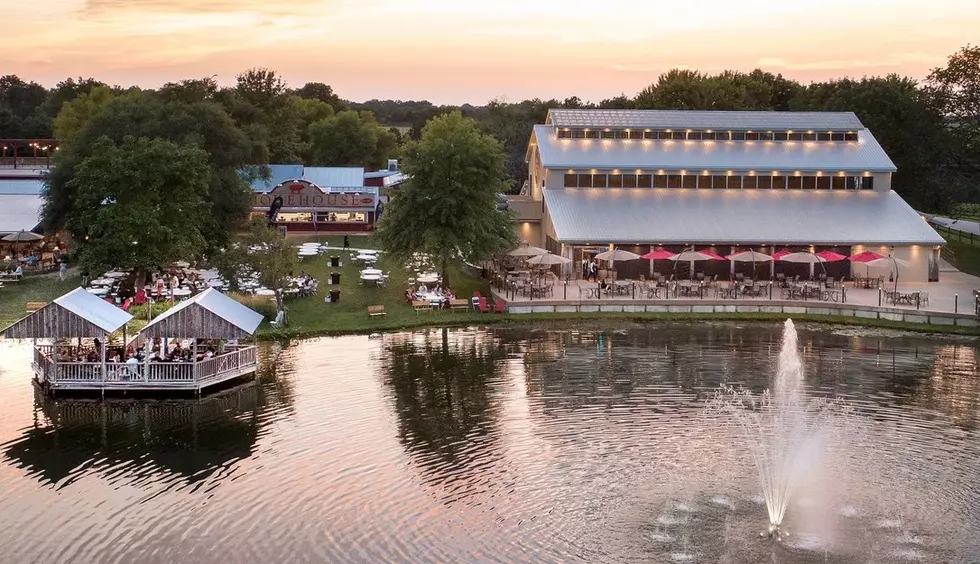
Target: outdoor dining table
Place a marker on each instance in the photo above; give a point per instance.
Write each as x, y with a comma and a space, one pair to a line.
372, 271
367, 258
428, 278
102, 282
99, 291
370, 277
180, 292
115, 274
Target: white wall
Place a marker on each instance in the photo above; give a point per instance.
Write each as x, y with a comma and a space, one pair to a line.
916, 255
883, 181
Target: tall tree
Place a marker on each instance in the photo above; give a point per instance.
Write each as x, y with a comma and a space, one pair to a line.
75, 114
204, 125
956, 88
351, 138
139, 204
190, 90
448, 209
322, 92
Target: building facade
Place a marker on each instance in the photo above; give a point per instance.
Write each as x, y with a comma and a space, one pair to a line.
305, 199
720, 180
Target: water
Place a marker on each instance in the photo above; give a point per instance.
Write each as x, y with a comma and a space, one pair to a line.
502, 445
792, 438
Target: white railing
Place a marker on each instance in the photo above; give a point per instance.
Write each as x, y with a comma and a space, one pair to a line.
235, 361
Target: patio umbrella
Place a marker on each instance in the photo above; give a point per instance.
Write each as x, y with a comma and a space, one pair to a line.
23, 236
831, 256
527, 251
887, 261
617, 254
548, 260
691, 256
866, 258
659, 254
805, 258
750, 256
780, 254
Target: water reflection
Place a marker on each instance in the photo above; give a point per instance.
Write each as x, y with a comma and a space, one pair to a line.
442, 394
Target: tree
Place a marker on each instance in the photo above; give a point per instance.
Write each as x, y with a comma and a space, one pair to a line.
350, 138
228, 198
75, 114
274, 263
190, 90
139, 204
956, 88
262, 88
448, 210
322, 92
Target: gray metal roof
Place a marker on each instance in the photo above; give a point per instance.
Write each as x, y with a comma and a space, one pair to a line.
966, 226
576, 154
24, 186
278, 173
791, 217
19, 212
78, 313
705, 119
208, 315
335, 176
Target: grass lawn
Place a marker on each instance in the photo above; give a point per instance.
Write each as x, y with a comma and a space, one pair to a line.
967, 252
311, 315
15, 295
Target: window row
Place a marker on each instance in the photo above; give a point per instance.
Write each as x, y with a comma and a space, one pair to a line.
719, 181
707, 135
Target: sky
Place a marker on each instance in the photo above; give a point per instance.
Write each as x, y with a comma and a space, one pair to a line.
457, 51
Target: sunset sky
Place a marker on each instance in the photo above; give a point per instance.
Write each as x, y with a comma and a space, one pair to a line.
474, 50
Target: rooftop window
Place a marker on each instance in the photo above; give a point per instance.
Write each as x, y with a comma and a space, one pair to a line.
707, 135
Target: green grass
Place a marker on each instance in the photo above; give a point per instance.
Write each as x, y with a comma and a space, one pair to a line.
312, 316
15, 295
965, 252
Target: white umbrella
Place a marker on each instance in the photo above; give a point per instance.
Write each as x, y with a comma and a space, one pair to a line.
888, 261
750, 256
548, 260
527, 251
688, 256
802, 258
23, 236
617, 254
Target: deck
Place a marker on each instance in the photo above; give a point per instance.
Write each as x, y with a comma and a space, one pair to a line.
176, 376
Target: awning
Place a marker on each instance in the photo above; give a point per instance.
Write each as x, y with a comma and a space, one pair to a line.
78, 313
208, 315
746, 217
19, 212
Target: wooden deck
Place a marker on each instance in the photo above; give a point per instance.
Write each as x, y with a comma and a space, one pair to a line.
178, 376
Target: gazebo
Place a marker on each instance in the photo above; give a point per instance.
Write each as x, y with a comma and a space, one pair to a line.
75, 315
214, 316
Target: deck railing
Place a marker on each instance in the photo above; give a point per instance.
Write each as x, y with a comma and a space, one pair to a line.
232, 363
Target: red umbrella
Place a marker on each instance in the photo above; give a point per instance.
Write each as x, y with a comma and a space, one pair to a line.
714, 255
866, 256
659, 254
831, 256
780, 254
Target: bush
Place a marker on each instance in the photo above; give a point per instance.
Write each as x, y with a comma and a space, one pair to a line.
266, 305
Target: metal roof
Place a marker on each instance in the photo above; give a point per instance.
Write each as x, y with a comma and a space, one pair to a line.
19, 212
791, 217
861, 156
705, 119
208, 315
23, 186
278, 173
335, 176
966, 226
78, 313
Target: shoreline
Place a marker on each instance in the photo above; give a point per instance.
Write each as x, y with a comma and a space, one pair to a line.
369, 326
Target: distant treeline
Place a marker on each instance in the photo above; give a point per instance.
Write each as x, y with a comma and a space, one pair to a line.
931, 130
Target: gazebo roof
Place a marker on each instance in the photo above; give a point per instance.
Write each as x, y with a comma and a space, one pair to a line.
208, 315
78, 313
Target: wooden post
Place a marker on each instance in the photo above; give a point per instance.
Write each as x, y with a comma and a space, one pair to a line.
194, 364
105, 338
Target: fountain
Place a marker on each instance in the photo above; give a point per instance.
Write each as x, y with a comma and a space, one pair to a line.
785, 431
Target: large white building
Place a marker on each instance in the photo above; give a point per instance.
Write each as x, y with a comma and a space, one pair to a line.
730, 181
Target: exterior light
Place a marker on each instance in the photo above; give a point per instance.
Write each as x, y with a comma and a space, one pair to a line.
667, 130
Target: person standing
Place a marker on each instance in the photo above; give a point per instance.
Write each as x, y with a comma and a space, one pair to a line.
585, 268
63, 271
346, 243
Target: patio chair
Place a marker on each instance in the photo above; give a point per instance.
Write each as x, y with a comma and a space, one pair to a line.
482, 304
924, 298
499, 306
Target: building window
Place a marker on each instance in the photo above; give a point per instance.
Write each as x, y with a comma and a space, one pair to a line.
660, 181
643, 180
607, 134
853, 182
778, 182
722, 135
751, 136
738, 136
780, 136
298, 217
794, 137
809, 136
708, 136
598, 180
836, 136
719, 181
824, 137
838, 183
867, 183
675, 181
823, 183
850, 137
564, 134
689, 181
649, 134
663, 135
765, 182
734, 182
767, 136
578, 134
571, 180
585, 181
341, 217
615, 180
795, 182
636, 134
629, 181
694, 135
678, 135
591, 134
750, 182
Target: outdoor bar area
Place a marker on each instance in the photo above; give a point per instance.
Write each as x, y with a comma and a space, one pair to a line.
86, 346
331, 199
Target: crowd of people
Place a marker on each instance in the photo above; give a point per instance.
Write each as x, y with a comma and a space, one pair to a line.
438, 294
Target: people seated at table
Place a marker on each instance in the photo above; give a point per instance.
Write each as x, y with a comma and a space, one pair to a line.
410, 295
19, 271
